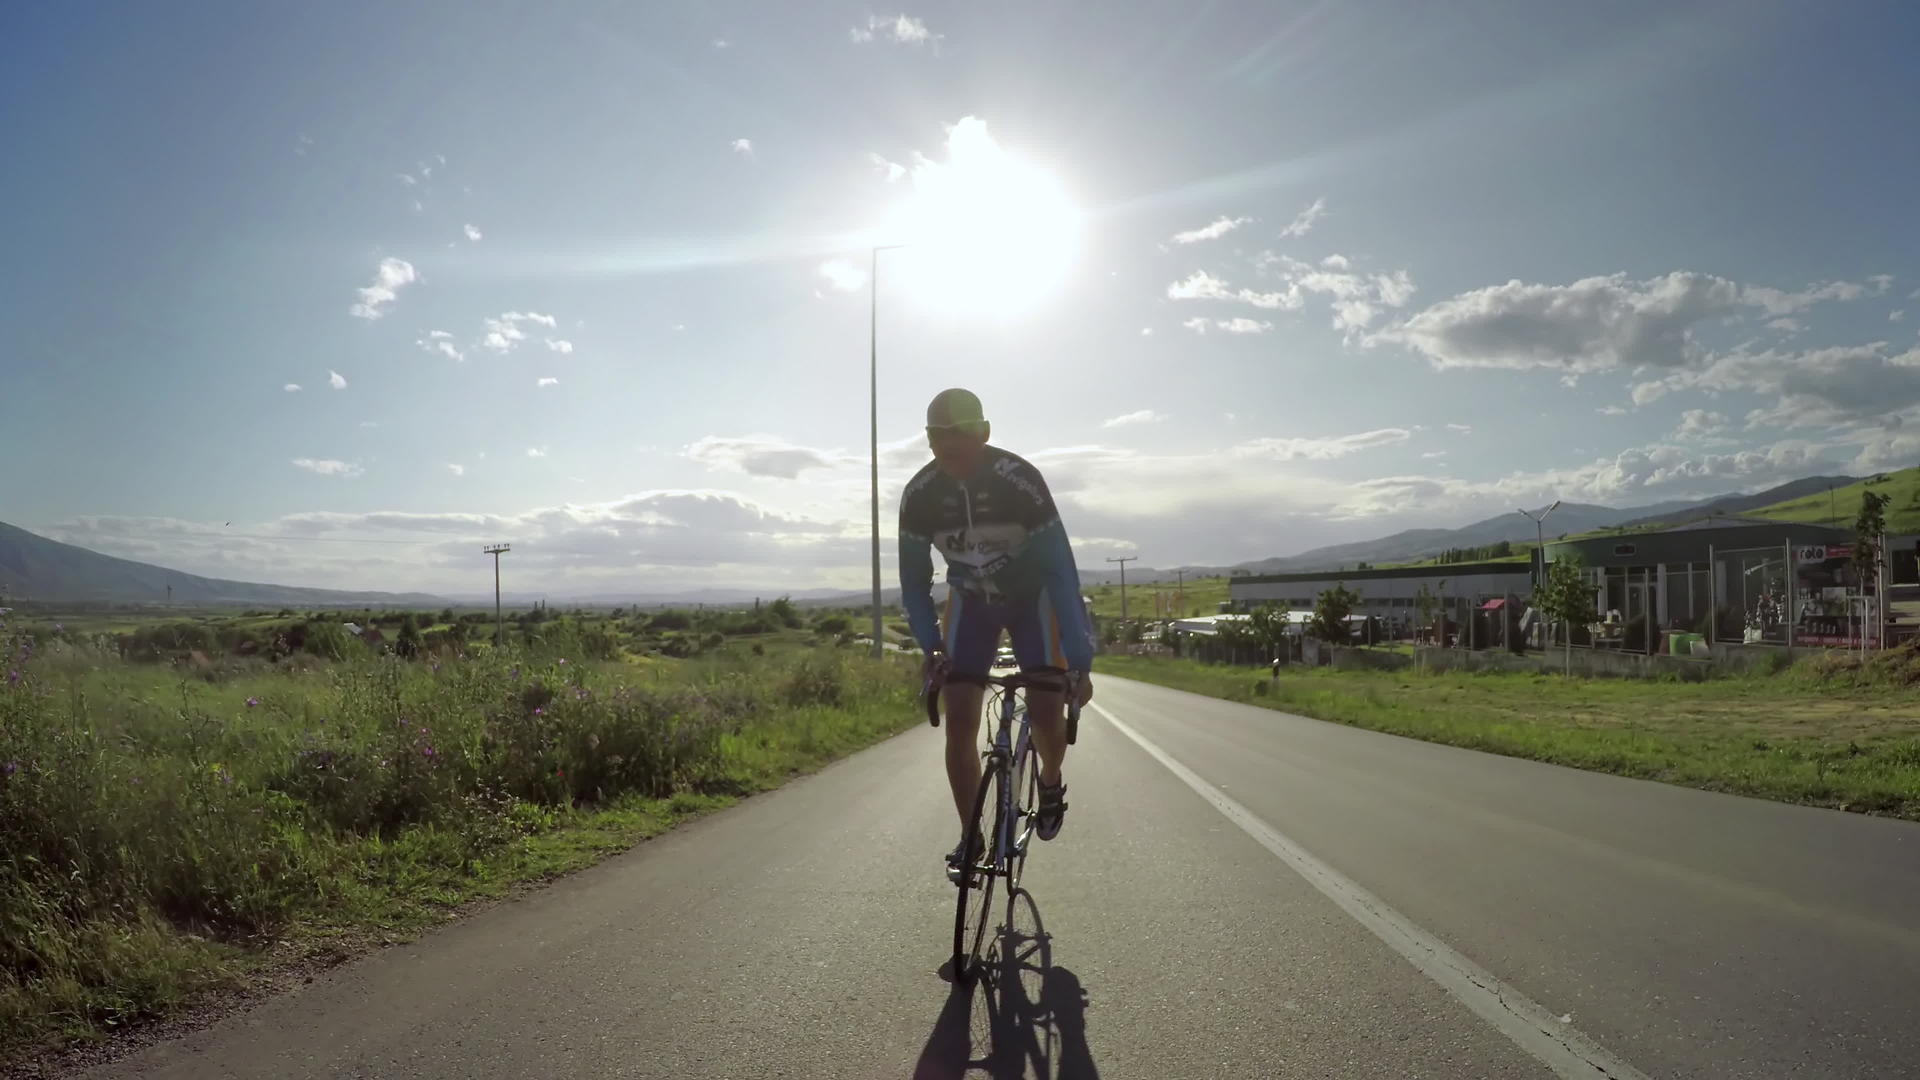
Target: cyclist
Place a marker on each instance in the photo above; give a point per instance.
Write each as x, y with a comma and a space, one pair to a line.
1009, 567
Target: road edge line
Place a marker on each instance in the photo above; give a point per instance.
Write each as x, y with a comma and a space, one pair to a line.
1558, 1045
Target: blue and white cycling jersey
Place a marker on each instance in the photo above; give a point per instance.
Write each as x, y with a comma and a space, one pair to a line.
1003, 542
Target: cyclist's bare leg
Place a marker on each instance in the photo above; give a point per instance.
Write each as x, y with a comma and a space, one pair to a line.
963, 745
1046, 713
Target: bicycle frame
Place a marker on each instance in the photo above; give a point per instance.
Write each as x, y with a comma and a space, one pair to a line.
1007, 753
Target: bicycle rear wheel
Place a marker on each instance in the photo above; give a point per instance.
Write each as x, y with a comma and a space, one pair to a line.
973, 909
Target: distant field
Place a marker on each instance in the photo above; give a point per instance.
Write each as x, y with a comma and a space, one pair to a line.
1202, 596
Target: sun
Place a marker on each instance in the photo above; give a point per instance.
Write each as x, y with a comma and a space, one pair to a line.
985, 232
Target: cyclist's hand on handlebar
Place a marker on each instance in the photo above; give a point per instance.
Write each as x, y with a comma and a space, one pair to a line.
1083, 689
934, 668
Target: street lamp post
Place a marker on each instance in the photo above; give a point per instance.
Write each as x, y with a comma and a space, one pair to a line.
1539, 542
873, 409
1540, 557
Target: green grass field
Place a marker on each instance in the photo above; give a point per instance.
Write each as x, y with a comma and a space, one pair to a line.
166, 831
1825, 733
1199, 596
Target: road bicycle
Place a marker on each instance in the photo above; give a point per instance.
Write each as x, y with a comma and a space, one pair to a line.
1010, 787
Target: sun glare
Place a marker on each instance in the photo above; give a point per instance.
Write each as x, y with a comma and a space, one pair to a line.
985, 231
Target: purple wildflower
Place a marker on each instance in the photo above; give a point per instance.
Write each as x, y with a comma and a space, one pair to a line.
563, 659
12, 677
10, 768
252, 701
515, 673
538, 711
426, 751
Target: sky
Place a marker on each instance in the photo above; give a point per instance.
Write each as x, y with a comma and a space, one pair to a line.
335, 294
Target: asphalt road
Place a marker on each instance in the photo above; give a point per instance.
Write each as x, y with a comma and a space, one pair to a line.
1247, 894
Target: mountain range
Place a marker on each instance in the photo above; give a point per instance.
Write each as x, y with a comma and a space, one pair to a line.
34, 567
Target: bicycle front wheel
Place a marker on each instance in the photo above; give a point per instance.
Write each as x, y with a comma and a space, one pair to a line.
973, 909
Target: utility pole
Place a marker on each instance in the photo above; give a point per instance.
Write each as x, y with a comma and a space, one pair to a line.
1180, 592
1123, 561
499, 626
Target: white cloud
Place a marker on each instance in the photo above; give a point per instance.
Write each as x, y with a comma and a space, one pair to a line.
503, 335
1220, 227
292, 388
721, 43
1146, 331
1231, 326
457, 470
1814, 388
892, 170
1432, 455
1776, 302
1201, 285
1335, 262
1611, 410
1144, 416
1243, 326
1699, 423
1303, 222
546, 380
560, 345
900, 29
1599, 323
536, 452
406, 180
336, 380
743, 147
1460, 429
391, 275
1594, 324
472, 231
844, 275
441, 343
1321, 449
326, 466
1896, 316
1357, 298
761, 455
369, 424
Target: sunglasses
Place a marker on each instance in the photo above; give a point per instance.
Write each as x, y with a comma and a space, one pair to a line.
969, 429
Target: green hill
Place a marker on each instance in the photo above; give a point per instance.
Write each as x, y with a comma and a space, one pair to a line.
1843, 504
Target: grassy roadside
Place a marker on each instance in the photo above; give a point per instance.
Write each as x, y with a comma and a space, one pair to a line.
1819, 734
165, 837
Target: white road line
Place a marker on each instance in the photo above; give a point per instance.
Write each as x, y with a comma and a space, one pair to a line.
1532, 1028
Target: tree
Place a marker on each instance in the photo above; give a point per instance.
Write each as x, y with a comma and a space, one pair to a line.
1869, 529
1427, 603
783, 610
1330, 611
407, 645
1268, 625
1564, 597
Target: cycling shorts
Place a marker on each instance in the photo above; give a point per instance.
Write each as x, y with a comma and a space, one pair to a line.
971, 626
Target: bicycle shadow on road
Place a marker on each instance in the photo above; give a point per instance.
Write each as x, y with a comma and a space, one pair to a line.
1024, 1018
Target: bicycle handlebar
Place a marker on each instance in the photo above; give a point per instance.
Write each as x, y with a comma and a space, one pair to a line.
930, 694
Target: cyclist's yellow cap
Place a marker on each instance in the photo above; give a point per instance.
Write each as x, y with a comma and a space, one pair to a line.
955, 408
